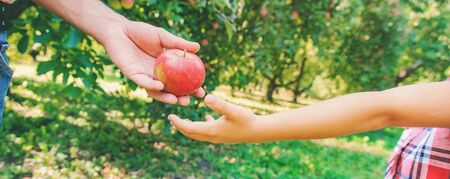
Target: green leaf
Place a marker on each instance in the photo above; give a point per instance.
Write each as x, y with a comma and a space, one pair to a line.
86, 82
74, 91
65, 77
47, 66
43, 38
73, 38
55, 18
230, 29
166, 130
85, 61
56, 73
23, 44
222, 4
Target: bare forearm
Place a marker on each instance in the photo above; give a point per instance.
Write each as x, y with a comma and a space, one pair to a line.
344, 115
90, 16
425, 105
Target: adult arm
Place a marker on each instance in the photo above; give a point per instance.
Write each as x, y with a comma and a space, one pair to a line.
132, 46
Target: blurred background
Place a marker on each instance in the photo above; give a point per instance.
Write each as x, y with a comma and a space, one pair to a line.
70, 112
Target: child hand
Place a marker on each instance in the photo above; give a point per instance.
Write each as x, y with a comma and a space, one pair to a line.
237, 124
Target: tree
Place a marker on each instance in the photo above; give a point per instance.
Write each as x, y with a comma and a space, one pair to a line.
295, 45
75, 57
269, 35
382, 44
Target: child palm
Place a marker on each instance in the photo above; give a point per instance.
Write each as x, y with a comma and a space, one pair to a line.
236, 124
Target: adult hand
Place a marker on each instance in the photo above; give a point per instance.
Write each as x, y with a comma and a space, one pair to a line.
7, 1
133, 47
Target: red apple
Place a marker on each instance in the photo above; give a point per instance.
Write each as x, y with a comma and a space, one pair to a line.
204, 42
294, 15
127, 4
192, 2
264, 12
207, 65
115, 4
181, 72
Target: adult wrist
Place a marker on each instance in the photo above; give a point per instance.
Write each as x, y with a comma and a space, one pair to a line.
108, 28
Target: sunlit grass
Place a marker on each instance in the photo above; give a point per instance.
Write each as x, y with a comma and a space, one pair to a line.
362, 146
25, 111
105, 135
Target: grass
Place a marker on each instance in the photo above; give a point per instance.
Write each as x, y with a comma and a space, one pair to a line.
48, 132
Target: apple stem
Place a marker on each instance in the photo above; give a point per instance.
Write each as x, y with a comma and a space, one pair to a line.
184, 54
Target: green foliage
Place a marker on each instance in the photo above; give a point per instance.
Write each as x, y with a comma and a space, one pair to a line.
428, 40
369, 52
383, 43
97, 135
359, 45
274, 47
76, 56
317, 48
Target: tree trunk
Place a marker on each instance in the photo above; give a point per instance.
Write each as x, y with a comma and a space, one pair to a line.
296, 94
297, 91
331, 7
232, 92
271, 87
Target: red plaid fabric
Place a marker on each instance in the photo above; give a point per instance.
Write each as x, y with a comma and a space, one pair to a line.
421, 153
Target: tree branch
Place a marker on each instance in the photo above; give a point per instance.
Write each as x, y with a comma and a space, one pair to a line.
405, 73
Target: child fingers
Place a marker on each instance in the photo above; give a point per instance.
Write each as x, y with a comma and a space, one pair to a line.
187, 126
221, 106
209, 118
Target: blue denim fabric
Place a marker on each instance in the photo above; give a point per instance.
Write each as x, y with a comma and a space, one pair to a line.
5, 72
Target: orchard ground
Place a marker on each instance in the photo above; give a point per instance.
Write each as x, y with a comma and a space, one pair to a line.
49, 131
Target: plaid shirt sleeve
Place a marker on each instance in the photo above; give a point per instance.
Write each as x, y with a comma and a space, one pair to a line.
421, 153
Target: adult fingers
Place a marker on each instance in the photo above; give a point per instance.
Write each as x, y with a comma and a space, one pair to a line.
183, 100
169, 40
163, 97
200, 93
146, 82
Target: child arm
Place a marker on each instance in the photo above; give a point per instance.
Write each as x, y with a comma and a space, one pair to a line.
424, 105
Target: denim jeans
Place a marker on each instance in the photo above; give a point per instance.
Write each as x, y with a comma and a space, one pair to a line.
5, 72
